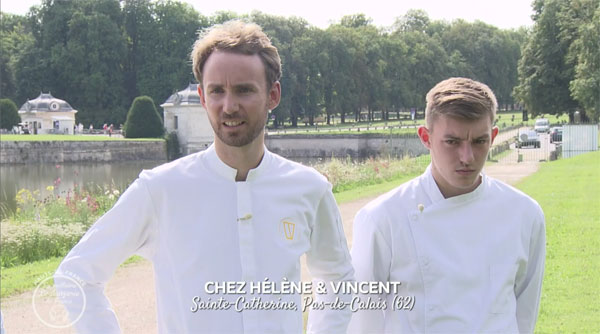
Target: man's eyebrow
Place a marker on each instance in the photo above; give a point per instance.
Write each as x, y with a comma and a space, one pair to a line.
450, 136
245, 85
213, 85
485, 136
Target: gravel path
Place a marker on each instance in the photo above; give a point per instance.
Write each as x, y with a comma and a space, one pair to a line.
131, 290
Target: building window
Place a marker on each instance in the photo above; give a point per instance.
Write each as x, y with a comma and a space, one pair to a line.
175, 122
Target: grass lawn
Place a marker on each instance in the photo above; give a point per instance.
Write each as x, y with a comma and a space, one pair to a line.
25, 277
567, 190
70, 138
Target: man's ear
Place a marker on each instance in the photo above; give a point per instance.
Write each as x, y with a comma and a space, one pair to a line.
202, 98
495, 131
423, 133
274, 95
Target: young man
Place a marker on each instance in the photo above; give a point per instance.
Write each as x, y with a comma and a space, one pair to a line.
468, 250
224, 228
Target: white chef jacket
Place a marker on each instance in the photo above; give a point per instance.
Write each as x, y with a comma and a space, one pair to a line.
473, 263
197, 225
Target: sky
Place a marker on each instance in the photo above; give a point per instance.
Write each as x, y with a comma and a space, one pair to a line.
504, 14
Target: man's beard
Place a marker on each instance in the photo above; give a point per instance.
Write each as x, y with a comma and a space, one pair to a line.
242, 138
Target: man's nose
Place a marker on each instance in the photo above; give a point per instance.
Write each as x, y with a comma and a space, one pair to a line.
466, 153
230, 103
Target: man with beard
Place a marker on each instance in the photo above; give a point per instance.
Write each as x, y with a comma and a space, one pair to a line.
224, 228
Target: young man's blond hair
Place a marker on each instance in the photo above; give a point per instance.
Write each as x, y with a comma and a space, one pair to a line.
461, 98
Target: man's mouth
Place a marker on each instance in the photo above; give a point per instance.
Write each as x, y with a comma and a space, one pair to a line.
233, 123
465, 171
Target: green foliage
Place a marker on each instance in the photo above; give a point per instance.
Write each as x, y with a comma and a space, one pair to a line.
143, 120
31, 241
558, 71
173, 148
585, 88
9, 115
45, 227
14, 38
100, 54
346, 174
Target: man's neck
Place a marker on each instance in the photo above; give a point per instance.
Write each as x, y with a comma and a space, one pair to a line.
242, 159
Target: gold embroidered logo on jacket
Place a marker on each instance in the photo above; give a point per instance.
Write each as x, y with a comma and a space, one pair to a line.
288, 229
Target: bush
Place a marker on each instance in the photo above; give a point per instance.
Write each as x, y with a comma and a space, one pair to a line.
143, 120
32, 241
173, 150
9, 114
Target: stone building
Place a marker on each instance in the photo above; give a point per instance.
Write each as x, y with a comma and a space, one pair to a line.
47, 114
183, 113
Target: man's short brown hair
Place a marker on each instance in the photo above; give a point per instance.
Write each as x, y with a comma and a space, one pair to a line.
460, 98
237, 37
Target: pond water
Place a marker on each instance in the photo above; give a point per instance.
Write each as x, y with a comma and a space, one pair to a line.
64, 177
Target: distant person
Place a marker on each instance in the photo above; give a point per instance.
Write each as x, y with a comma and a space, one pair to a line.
233, 214
468, 248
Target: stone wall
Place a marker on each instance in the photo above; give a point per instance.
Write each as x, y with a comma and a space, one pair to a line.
17, 152
295, 147
299, 147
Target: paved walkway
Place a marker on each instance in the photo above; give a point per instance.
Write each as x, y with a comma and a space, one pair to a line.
131, 290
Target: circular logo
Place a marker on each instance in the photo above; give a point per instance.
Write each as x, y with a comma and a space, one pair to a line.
50, 303
54, 106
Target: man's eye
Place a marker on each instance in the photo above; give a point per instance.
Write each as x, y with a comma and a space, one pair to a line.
480, 141
216, 91
451, 142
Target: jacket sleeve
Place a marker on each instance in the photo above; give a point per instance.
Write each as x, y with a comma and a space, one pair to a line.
329, 261
371, 257
126, 229
528, 287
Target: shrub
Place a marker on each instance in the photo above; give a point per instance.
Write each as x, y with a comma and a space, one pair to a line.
143, 120
32, 241
347, 174
173, 150
9, 114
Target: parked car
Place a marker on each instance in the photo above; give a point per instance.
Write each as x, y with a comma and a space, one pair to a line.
556, 134
542, 125
528, 138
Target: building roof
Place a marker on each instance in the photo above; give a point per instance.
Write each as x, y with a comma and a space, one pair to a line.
46, 103
188, 96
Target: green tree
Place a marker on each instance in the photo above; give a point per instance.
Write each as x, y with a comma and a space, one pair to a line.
547, 66
14, 38
286, 34
484, 53
585, 88
92, 62
161, 35
413, 20
9, 115
143, 120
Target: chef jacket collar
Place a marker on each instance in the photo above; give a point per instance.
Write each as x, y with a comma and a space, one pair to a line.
214, 163
435, 195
